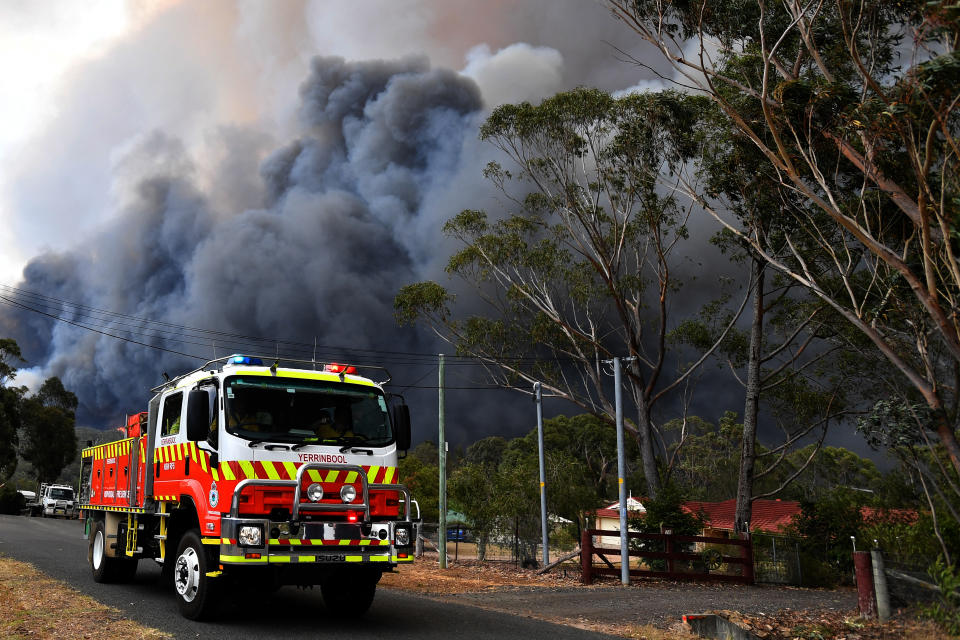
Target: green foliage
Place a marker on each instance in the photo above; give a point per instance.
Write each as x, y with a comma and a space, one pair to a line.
12, 502
705, 458
946, 612
419, 471
50, 441
666, 512
825, 527
10, 421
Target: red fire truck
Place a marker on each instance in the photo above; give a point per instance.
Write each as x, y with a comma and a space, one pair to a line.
242, 472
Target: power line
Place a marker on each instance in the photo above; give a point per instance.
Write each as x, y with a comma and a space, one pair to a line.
108, 323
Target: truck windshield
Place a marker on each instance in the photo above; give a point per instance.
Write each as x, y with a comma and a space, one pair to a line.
61, 494
306, 411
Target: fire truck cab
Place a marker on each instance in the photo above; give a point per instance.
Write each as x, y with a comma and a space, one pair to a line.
245, 472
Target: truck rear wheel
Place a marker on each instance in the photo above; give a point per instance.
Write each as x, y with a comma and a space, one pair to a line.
349, 593
106, 569
196, 592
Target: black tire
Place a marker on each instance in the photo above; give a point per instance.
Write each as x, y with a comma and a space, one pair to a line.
349, 593
196, 593
104, 568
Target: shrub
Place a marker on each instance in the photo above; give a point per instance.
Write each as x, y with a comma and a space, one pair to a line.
12, 501
946, 612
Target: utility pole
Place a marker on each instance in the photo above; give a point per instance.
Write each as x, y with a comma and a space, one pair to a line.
442, 450
621, 472
538, 398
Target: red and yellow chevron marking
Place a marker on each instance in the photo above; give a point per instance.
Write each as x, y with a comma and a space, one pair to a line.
180, 451
244, 469
266, 470
109, 450
295, 542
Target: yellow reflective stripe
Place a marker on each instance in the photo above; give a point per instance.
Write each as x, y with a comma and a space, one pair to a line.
307, 558
351, 477
344, 542
247, 467
353, 558
399, 559
364, 543
210, 540
304, 375
225, 540
332, 475
379, 558
224, 558
314, 475
372, 473
216, 476
227, 471
294, 542
214, 574
291, 469
280, 558
270, 469
203, 462
388, 477
193, 452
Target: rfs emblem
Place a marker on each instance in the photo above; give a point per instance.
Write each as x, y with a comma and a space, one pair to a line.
214, 495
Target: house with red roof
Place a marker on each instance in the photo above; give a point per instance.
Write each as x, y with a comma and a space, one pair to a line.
769, 516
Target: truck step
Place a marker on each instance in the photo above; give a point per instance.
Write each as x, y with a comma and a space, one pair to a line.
159, 537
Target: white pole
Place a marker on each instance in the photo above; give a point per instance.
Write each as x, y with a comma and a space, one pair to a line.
442, 449
538, 398
621, 472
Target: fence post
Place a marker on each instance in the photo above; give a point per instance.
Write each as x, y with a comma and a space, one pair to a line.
747, 554
586, 557
668, 546
863, 571
880, 585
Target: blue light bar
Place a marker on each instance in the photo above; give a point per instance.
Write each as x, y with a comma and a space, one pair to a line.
257, 362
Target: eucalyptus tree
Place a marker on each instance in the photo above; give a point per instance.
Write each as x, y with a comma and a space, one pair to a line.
854, 107
10, 398
582, 266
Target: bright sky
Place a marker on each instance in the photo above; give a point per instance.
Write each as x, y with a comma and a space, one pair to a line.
39, 42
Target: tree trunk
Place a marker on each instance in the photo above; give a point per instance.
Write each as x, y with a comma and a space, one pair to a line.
744, 509
645, 441
945, 431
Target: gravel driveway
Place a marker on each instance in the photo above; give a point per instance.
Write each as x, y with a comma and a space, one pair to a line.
656, 603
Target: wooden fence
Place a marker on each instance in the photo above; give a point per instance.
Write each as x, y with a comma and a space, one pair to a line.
681, 557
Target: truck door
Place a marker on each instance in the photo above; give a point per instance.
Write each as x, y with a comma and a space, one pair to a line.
168, 455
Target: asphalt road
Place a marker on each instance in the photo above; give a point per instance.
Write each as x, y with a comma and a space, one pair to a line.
57, 548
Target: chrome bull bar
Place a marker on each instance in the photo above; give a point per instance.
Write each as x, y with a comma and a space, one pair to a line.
319, 506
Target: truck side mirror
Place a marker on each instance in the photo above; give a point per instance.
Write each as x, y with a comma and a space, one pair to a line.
198, 415
401, 422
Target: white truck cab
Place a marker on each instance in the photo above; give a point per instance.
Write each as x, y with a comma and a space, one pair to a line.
58, 500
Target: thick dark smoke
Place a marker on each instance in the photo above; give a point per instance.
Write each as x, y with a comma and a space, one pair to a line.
320, 257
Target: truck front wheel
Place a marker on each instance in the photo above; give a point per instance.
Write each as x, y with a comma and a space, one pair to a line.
350, 593
196, 592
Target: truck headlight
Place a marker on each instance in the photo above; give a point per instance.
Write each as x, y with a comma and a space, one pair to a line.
348, 493
251, 535
315, 492
401, 535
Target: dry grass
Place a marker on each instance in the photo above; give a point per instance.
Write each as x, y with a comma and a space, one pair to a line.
33, 605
